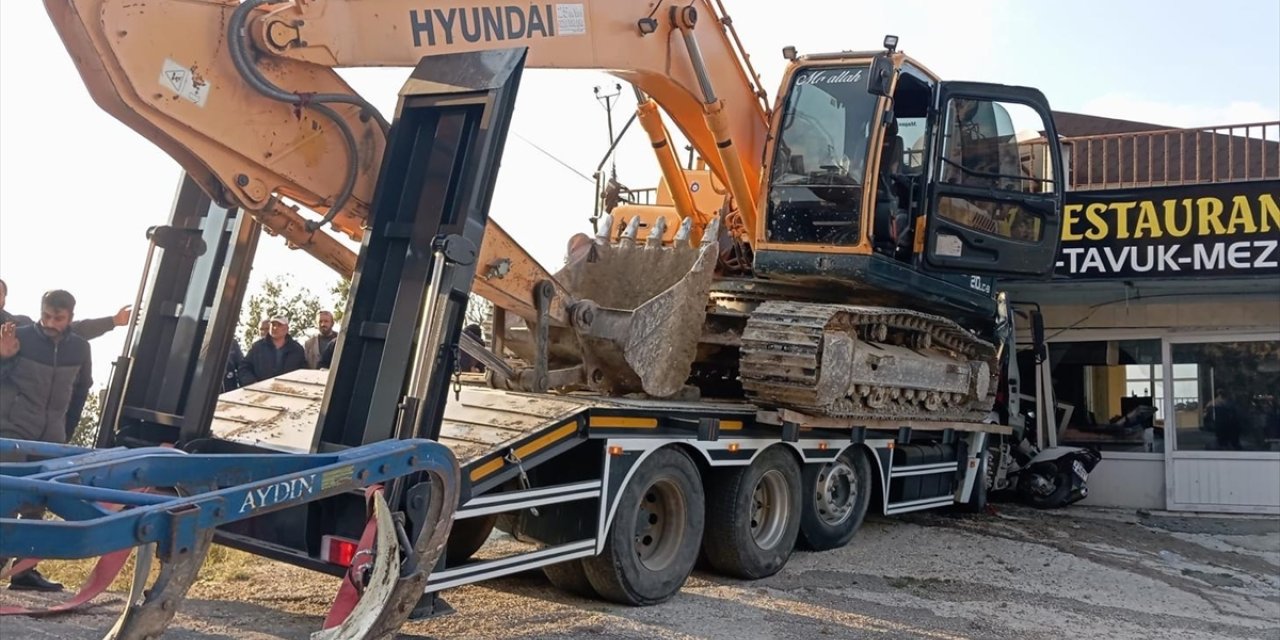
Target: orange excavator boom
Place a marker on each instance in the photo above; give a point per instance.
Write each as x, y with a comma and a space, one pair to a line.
246, 98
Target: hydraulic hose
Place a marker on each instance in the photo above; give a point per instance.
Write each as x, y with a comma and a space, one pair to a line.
238, 37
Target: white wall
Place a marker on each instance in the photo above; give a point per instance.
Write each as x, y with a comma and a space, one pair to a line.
1235, 482
1128, 480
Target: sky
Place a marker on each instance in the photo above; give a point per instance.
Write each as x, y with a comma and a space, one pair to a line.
78, 188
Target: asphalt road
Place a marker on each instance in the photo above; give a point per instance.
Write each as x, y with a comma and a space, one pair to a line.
1015, 574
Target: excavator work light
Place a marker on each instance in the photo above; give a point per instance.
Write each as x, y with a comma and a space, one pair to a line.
891, 43
789, 52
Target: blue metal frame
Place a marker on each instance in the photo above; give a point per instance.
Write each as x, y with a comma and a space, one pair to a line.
191, 492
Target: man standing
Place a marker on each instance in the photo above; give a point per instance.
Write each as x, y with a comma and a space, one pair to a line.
88, 329
231, 377
274, 355
45, 374
1223, 418
317, 345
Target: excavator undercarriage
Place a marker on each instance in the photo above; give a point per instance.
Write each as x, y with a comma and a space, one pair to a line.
865, 362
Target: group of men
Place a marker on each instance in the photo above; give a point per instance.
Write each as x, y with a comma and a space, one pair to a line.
45, 374
276, 352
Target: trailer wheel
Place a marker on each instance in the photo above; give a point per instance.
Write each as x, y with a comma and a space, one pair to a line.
650, 549
753, 516
570, 577
466, 537
836, 496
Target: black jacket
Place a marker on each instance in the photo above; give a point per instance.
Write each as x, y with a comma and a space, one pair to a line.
265, 361
47, 381
326, 356
231, 380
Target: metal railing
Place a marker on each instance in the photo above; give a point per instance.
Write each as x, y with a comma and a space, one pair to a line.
1167, 157
648, 195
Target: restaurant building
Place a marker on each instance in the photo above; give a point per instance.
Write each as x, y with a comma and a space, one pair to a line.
1163, 317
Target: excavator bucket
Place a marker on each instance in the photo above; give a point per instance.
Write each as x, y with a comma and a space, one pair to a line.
640, 306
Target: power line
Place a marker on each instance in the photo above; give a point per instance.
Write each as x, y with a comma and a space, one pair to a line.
558, 160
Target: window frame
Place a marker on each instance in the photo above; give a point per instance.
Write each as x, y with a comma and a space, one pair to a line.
1171, 422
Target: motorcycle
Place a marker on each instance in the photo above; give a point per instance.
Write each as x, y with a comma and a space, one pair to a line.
1043, 478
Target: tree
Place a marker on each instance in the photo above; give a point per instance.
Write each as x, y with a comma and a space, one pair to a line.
86, 432
479, 311
341, 292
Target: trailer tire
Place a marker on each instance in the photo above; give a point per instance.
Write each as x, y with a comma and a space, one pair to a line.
753, 515
836, 496
466, 537
652, 544
570, 577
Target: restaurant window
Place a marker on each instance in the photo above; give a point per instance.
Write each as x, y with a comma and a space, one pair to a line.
1143, 380
1224, 395
1108, 393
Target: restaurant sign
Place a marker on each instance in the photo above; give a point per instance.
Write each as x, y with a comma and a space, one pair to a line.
1191, 231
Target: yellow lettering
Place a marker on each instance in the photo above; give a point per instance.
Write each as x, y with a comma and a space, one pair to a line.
1241, 214
1171, 218
1210, 212
1148, 221
1270, 212
1122, 216
1071, 216
1094, 213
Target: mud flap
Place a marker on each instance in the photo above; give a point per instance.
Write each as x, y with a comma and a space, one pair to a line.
369, 611
400, 569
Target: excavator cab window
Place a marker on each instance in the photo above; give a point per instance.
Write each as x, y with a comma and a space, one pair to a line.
992, 210
816, 186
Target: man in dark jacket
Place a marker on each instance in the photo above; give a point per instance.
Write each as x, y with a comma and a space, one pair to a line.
45, 374
326, 356
274, 355
231, 380
88, 329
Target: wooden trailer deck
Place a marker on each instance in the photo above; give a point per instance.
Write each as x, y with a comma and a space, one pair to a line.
282, 413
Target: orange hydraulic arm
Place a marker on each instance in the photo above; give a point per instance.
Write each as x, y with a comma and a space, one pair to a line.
246, 99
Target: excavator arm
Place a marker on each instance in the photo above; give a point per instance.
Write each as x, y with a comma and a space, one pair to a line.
246, 98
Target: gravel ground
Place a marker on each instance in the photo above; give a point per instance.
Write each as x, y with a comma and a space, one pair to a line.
1016, 574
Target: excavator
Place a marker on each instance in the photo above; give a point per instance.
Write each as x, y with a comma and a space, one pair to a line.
831, 283
829, 260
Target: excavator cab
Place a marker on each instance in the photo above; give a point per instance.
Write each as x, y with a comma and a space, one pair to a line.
882, 177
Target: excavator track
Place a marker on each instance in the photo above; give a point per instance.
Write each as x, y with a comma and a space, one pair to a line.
865, 362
